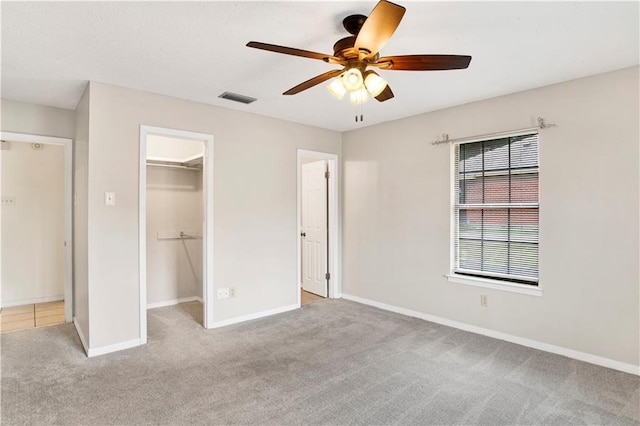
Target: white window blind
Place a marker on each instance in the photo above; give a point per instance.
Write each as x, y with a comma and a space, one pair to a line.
496, 209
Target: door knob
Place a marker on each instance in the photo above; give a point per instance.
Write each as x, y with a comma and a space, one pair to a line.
303, 234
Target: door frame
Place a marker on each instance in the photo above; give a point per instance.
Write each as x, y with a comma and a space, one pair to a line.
335, 237
67, 143
207, 204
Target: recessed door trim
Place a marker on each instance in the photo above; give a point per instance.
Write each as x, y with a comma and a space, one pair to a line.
68, 207
207, 172
334, 258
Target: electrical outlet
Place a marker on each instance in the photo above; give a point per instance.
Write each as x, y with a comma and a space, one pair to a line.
223, 293
484, 300
232, 292
8, 201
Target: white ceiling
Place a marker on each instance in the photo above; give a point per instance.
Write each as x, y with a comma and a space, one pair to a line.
196, 51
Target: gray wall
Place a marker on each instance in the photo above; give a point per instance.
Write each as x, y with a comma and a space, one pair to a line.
81, 217
397, 216
33, 260
20, 117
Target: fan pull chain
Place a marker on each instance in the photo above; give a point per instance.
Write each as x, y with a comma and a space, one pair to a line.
359, 104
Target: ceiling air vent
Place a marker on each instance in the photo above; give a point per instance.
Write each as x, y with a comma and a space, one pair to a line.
237, 98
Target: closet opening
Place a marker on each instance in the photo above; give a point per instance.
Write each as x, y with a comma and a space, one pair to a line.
176, 199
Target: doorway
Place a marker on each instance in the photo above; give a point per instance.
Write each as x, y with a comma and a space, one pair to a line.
37, 227
318, 236
176, 229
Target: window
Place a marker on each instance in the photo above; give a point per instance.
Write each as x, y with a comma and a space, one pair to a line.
496, 209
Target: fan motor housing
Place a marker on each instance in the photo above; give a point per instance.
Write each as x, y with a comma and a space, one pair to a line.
344, 48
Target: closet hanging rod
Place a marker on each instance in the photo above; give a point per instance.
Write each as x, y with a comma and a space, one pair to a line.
189, 237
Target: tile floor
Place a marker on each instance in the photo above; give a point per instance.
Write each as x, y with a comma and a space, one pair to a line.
24, 317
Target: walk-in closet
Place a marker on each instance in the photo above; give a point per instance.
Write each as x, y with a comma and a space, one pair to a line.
174, 224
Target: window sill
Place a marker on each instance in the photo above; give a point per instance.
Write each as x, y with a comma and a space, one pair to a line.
495, 284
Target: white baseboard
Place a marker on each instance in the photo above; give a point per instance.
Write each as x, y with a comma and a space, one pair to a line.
172, 302
103, 350
236, 320
91, 352
570, 353
81, 336
32, 301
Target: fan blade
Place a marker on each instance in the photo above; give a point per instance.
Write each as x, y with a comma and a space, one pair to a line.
424, 62
379, 27
290, 51
385, 95
313, 81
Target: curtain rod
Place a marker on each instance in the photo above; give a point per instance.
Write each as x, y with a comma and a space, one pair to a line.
541, 125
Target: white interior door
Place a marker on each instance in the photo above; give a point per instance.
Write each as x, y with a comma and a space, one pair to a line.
314, 227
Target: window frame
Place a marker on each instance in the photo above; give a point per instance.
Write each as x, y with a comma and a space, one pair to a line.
478, 280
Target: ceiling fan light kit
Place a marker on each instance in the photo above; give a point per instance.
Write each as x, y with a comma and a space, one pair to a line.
374, 83
337, 89
352, 79
361, 50
359, 96
357, 85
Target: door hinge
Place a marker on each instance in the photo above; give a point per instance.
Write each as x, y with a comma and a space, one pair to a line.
327, 276
327, 175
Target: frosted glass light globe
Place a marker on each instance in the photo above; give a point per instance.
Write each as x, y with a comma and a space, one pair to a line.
352, 79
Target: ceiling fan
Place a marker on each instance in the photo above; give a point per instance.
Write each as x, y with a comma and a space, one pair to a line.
360, 51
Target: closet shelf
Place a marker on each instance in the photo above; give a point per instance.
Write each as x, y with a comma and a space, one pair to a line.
190, 163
